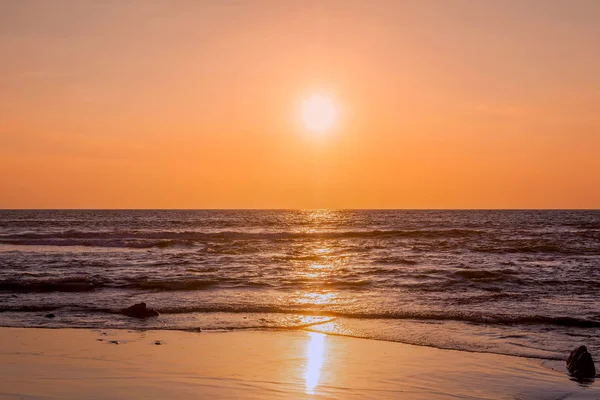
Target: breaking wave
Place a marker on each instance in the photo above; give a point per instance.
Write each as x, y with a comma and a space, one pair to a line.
475, 318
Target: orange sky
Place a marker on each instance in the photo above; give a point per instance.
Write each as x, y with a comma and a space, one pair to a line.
195, 104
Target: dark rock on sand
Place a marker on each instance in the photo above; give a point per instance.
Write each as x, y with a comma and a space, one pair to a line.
580, 363
49, 315
158, 343
140, 311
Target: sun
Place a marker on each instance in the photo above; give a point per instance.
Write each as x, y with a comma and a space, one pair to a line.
319, 113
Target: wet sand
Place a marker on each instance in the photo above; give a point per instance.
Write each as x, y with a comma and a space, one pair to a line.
79, 363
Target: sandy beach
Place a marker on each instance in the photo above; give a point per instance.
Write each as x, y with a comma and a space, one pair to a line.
118, 364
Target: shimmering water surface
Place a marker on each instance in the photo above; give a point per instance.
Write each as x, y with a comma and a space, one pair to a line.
513, 282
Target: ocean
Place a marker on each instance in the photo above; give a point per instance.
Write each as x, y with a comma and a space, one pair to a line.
523, 283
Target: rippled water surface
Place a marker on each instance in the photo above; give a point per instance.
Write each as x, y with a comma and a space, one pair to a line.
514, 282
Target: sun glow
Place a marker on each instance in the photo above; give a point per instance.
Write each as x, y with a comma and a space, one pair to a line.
319, 113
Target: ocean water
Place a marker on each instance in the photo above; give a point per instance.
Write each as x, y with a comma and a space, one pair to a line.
523, 283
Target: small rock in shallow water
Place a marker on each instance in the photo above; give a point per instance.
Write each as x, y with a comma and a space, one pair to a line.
49, 315
140, 310
113, 342
580, 363
158, 343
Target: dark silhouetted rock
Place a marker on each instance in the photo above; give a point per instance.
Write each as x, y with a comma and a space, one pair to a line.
158, 343
140, 311
49, 315
580, 363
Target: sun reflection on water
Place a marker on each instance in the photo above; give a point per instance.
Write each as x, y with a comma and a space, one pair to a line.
315, 351
316, 298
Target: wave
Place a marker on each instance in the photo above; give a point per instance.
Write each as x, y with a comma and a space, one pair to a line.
330, 284
501, 319
395, 261
426, 281
479, 241
485, 275
525, 246
116, 243
90, 284
42, 286
178, 285
42, 308
145, 239
442, 316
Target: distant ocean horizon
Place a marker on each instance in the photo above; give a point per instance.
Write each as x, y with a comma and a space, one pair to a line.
514, 281
300, 209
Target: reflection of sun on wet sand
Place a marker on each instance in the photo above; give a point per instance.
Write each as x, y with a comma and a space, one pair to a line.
315, 350
76, 364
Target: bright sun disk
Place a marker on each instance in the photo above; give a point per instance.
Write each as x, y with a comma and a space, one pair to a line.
319, 113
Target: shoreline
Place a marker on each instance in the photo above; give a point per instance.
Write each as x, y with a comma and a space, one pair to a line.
71, 363
291, 329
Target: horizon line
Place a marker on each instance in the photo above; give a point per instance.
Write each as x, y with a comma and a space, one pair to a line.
299, 209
